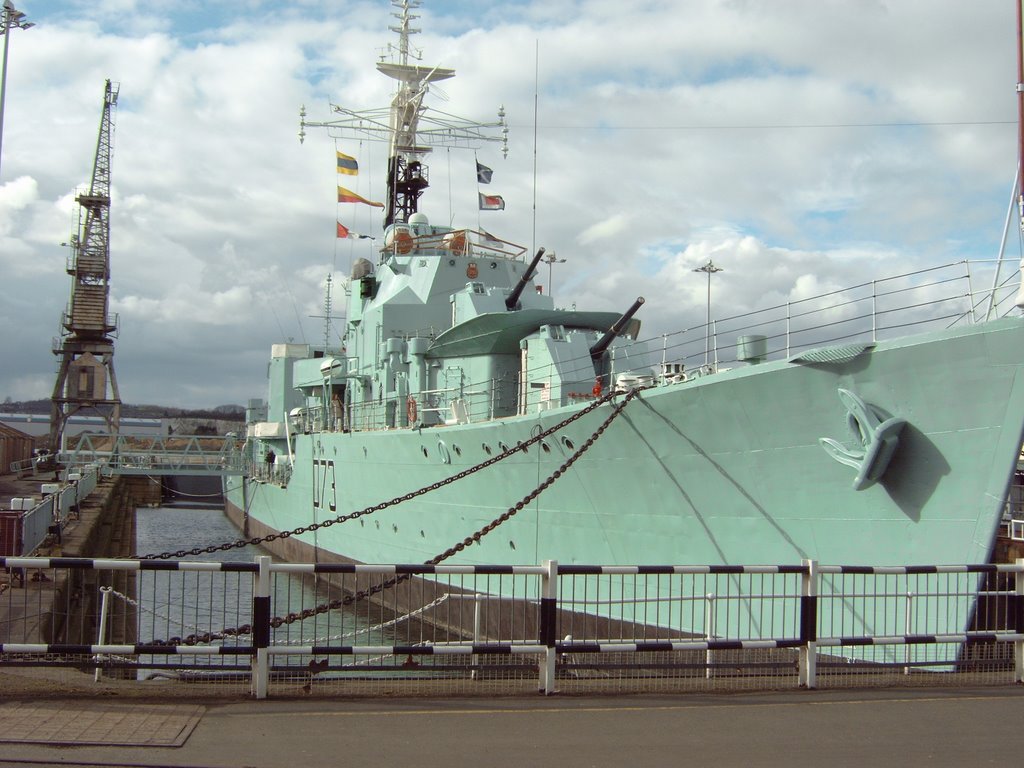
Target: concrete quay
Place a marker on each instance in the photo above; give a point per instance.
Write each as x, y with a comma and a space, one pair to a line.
934, 727
33, 607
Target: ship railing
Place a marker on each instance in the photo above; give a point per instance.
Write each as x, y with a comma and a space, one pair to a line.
963, 292
374, 415
279, 472
459, 242
309, 419
432, 407
278, 627
460, 405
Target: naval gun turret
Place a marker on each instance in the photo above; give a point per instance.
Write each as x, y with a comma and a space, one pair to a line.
513, 298
617, 327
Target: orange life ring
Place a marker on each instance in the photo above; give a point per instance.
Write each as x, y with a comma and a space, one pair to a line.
410, 409
597, 387
457, 243
403, 242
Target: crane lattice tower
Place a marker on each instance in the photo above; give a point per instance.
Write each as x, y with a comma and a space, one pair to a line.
85, 377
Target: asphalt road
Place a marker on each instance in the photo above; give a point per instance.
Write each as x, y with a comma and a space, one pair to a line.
933, 727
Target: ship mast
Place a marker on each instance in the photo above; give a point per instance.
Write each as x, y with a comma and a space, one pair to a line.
411, 129
86, 350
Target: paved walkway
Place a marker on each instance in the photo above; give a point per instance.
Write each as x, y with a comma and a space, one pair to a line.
838, 728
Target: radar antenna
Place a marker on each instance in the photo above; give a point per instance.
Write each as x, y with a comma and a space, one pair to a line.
411, 129
86, 346
327, 316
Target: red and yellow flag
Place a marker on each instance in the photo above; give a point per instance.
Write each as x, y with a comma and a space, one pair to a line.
348, 196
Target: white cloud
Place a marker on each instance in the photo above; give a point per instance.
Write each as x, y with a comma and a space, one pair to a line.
17, 195
773, 137
603, 230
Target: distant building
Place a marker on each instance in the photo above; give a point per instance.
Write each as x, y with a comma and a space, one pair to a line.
38, 425
15, 445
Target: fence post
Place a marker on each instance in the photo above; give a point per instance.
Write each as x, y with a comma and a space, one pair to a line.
261, 628
101, 635
1018, 645
809, 625
908, 627
547, 625
477, 600
710, 618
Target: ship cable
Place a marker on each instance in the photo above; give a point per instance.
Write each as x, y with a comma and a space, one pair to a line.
362, 594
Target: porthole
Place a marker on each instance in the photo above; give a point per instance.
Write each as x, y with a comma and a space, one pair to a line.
494, 265
394, 528
502, 447
377, 523
458, 451
486, 448
545, 447
422, 535
568, 443
451, 262
426, 453
512, 544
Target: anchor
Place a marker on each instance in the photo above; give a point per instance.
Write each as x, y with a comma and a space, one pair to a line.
879, 439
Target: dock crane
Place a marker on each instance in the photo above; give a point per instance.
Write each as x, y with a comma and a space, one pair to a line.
86, 345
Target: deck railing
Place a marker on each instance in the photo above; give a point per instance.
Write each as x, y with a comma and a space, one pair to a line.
939, 297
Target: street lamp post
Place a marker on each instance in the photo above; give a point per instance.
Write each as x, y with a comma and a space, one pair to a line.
550, 259
709, 269
12, 19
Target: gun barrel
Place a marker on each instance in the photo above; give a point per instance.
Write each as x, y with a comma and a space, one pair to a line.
513, 298
598, 349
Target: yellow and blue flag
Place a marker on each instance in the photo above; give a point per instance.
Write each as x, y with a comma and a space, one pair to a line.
347, 165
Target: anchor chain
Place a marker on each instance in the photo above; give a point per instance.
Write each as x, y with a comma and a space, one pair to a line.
239, 543
362, 594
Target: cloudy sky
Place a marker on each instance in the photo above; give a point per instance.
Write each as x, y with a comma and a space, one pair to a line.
799, 143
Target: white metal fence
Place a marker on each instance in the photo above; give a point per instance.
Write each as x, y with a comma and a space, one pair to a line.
31, 519
286, 629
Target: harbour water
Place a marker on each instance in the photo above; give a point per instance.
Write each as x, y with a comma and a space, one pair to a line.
186, 526
177, 604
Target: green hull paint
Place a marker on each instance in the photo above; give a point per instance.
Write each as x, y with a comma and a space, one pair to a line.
724, 469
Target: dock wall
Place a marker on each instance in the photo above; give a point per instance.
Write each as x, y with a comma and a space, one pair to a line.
105, 528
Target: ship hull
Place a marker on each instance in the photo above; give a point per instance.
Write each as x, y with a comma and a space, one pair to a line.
724, 469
